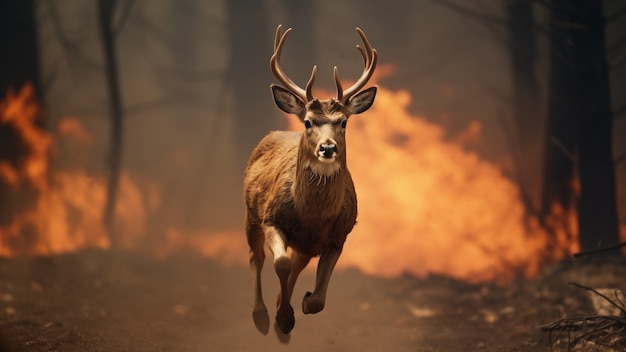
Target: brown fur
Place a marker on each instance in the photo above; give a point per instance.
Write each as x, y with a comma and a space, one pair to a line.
314, 211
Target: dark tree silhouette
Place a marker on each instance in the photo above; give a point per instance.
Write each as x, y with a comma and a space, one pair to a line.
597, 212
18, 67
558, 171
18, 44
525, 133
106, 9
526, 100
580, 121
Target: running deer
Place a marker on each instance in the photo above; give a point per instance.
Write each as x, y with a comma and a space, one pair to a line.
299, 194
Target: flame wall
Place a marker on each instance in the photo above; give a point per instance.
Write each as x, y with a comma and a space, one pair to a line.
429, 205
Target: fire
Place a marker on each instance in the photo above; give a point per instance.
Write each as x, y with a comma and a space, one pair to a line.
67, 214
426, 203
67, 211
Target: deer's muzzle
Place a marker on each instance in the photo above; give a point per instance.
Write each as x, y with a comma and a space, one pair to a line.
328, 150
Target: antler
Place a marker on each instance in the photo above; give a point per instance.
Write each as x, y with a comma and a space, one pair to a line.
370, 57
279, 42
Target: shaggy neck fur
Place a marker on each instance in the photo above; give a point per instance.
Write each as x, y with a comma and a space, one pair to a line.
317, 193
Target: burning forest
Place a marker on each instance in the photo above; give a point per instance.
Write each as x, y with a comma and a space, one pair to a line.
491, 209
465, 202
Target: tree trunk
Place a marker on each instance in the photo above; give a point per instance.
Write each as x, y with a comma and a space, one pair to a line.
106, 10
559, 146
526, 99
597, 212
18, 44
19, 66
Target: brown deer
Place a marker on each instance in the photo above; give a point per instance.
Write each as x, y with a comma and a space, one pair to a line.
299, 194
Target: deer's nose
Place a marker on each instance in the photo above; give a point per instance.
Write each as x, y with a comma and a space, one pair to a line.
328, 150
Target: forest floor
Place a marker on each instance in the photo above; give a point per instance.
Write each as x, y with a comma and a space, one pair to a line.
115, 301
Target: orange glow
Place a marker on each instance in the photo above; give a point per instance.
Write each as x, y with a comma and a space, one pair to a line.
67, 213
428, 205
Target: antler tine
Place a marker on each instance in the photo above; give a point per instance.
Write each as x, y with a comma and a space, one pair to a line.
370, 58
279, 31
338, 84
279, 43
309, 84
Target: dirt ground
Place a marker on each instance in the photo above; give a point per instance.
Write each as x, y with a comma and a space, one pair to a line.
114, 301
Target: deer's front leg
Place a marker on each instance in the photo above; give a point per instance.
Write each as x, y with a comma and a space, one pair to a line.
314, 302
277, 243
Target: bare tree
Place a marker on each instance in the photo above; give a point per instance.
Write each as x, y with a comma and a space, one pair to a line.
516, 33
106, 10
580, 121
526, 97
559, 158
597, 212
18, 67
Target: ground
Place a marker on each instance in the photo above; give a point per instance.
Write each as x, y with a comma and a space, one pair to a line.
97, 300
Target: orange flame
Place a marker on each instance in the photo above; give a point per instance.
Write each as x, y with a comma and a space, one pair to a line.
67, 214
427, 205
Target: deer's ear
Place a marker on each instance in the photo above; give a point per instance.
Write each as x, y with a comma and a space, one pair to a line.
287, 101
362, 101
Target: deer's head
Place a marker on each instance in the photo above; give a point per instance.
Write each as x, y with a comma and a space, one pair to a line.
323, 142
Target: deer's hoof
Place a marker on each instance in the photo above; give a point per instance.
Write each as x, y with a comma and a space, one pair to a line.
311, 304
285, 319
261, 319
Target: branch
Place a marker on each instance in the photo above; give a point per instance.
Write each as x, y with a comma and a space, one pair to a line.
70, 46
600, 250
560, 146
546, 4
191, 75
153, 30
471, 13
599, 330
123, 17
621, 309
615, 16
149, 105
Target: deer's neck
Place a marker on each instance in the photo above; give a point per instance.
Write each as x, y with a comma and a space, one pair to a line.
319, 194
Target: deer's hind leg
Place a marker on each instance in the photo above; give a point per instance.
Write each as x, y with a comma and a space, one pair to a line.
256, 241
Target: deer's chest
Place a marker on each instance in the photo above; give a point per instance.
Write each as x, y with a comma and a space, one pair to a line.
314, 235
315, 239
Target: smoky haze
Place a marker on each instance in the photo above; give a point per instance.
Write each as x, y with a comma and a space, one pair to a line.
194, 78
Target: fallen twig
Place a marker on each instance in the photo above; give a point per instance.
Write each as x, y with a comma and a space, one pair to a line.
598, 330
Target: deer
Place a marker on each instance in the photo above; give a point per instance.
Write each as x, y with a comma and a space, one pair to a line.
300, 199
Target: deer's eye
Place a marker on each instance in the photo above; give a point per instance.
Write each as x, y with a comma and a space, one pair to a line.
344, 123
307, 124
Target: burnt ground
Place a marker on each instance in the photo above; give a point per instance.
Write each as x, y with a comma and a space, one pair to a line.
111, 301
